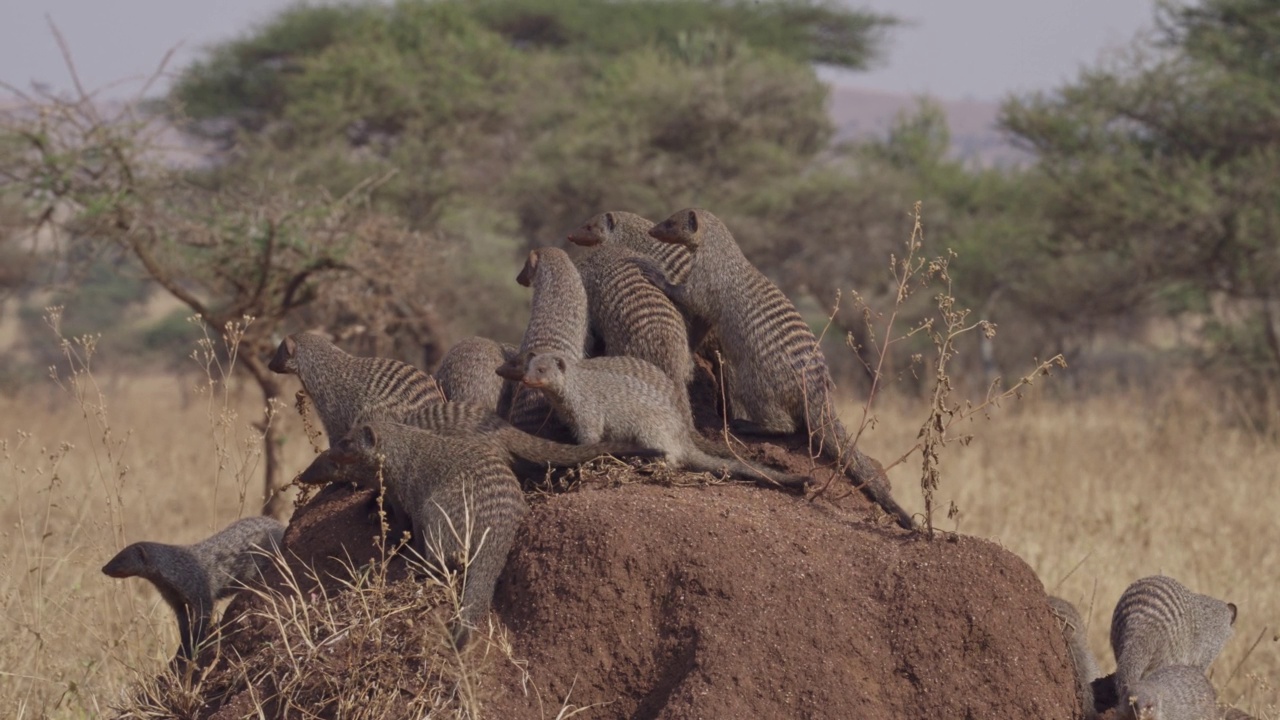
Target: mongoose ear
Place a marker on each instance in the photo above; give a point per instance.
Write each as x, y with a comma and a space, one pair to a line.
290, 346
1233, 612
609, 222
369, 435
525, 277
692, 221
560, 364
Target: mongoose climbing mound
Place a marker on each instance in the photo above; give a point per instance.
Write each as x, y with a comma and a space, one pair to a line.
461, 499
191, 578
778, 381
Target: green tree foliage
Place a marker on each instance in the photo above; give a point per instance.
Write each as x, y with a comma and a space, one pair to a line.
1161, 172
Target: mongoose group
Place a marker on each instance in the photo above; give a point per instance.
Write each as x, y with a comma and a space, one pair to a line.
606, 361
1164, 638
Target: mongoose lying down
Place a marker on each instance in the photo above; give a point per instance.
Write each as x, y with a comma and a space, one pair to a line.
777, 376
1158, 623
191, 578
461, 500
628, 399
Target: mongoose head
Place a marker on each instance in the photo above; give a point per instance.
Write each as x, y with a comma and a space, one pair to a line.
686, 228
286, 360
545, 370
512, 369
129, 562
539, 256
323, 470
608, 227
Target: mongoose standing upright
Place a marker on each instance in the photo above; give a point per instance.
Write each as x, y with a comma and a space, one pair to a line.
463, 502
1173, 692
557, 323
1082, 660
628, 399
191, 578
778, 378
630, 316
344, 387
466, 373
1158, 622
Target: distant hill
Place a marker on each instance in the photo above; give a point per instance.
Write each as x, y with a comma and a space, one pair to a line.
859, 113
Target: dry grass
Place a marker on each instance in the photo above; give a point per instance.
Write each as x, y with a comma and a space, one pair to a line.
1091, 494
1095, 494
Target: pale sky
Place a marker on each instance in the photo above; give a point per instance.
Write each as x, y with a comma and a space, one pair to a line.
979, 49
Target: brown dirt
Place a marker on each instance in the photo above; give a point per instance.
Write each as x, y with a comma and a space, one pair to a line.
651, 594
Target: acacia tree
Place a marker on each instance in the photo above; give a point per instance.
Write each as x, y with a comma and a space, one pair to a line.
1161, 173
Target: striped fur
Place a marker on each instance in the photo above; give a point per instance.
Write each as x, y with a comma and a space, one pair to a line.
1174, 692
626, 399
631, 316
776, 373
557, 323
463, 502
632, 232
1158, 622
344, 387
467, 373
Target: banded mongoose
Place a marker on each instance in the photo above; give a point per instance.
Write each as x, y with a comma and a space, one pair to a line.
557, 323
191, 578
623, 229
462, 501
631, 231
777, 375
1082, 660
1158, 622
628, 399
1173, 692
630, 316
466, 373
344, 388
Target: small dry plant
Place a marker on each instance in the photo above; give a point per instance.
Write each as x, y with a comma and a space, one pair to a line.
913, 273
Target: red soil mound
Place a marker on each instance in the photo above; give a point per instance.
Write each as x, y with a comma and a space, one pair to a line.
734, 602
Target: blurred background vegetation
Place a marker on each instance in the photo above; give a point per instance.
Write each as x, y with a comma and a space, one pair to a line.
381, 169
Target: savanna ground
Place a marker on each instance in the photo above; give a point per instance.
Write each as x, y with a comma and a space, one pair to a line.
1091, 493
